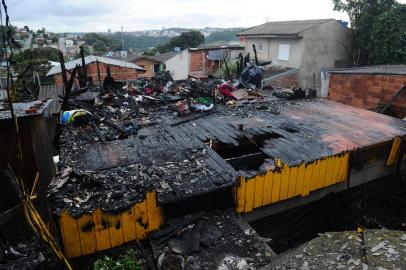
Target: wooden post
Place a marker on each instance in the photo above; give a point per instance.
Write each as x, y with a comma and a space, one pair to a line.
63, 71
98, 73
84, 72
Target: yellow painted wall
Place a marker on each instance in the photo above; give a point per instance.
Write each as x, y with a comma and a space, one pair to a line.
100, 231
289, 182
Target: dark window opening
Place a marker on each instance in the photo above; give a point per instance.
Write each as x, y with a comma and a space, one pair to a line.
247, 155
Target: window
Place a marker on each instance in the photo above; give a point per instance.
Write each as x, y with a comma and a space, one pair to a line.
283, 52
259, 47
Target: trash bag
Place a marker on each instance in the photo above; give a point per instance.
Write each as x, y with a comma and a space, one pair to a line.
251, 76
75, 117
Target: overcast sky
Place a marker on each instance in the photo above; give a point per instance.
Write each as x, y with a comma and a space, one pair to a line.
100, 15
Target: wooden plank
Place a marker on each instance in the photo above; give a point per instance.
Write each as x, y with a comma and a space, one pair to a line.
284, 182
115, 229
102, 234
70, 235
276, 186
394, 152
128, 219
323, 172
86, 234
292, 182
259, 190
240, 195
307, 182
300, 179
155, 213
249, 195
329, 172
141, 217
268, 179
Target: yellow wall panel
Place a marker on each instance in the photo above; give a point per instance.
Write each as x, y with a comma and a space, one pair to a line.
86, 234
141, 218
101, 231
249, 195
307, 182
292, 182
268, 179
240, 193
276, 186
155, 214
284, 182
70, 235
328, 180
300, 179
128, 219
259, 190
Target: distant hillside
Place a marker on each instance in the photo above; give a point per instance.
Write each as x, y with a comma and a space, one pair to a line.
142, 41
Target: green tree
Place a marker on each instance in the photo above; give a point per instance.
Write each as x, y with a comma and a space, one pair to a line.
389, 36
150, 52
55, 39
363, 14
191, 39
36, 56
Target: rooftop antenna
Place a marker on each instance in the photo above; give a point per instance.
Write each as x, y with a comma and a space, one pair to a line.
267, 19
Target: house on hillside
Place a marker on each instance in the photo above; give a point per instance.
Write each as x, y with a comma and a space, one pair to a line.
307, 45
120, 70
205, 60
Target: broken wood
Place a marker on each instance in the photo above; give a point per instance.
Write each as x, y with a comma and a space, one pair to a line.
255, 54
98, 132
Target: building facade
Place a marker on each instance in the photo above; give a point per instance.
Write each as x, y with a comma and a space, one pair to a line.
309, 45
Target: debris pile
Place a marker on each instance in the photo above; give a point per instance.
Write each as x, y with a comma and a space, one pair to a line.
209, 241
26, 255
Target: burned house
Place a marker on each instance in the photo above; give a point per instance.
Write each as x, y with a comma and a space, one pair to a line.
258, 158
96, 69
307, 45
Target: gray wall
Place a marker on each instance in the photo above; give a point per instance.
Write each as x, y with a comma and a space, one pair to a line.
323, 46
178, 65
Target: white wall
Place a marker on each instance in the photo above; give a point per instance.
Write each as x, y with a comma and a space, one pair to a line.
178, 65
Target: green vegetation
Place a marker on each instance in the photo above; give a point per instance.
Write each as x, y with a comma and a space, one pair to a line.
223, 37
226, 70
191, 39
102, 43
36, 56
139, 43
377, 30
126, 261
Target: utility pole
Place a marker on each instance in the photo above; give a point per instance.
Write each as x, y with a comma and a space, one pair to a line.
122, 36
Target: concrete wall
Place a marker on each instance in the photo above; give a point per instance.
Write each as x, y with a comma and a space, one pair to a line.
323, 46
178, 65
368, 91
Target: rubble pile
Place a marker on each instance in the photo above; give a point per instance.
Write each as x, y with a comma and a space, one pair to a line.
28, 254
209, 241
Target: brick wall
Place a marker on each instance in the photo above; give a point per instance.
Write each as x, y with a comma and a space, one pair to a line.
200, 64
118, 73
148, 65
285, 82
368, 91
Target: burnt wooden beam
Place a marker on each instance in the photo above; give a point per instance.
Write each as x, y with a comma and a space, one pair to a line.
255, 54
